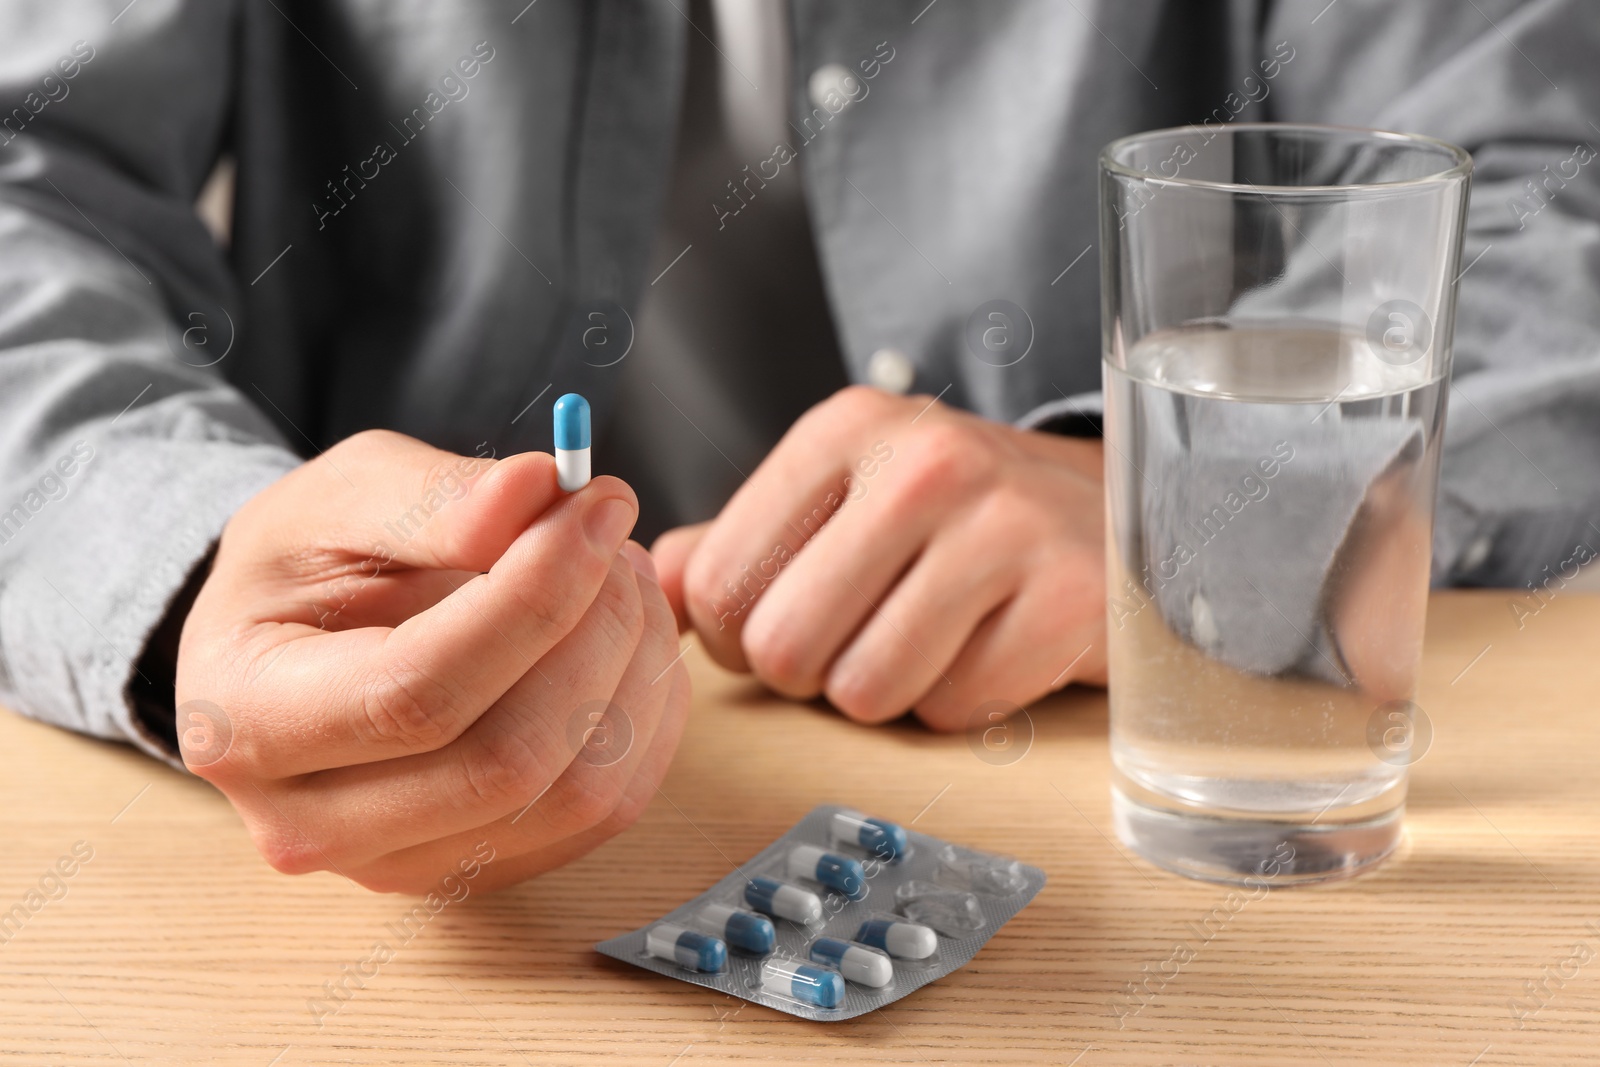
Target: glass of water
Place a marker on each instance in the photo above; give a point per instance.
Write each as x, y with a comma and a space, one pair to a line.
1277, 310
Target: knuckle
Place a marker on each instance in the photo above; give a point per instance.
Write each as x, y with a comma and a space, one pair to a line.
501, 770
557, 613
939, 468
628, 810
854, 405
436, 488
383, 881
238, 763
658, 651
407, 708
447, 474
660, 626
386, 879
587, 801
703, 592
619, 608
942, 721
1061, 590
551, 612
942, 715
1015, 515
288, 851
777, 653
861, 402
368, 442
951, 454
863, 702
215, 740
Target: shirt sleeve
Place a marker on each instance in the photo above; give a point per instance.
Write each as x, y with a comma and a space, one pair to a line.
122, 450
1514, 83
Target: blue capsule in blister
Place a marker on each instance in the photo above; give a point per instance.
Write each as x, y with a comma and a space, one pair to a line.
885, 840
742, 929
834, 871
815, 986
687, 948
823, 925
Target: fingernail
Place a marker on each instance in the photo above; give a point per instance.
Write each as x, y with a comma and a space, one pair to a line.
607, 525
640, 558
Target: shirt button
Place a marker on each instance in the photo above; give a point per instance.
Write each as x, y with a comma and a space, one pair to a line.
891, 370
1203, 623
833, 88
1474, 556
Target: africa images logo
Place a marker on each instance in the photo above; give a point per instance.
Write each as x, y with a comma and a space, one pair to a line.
1399, 332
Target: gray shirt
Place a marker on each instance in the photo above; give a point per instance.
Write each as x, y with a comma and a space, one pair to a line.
734, 339
435, 199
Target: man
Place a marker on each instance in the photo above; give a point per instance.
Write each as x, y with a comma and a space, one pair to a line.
444, 219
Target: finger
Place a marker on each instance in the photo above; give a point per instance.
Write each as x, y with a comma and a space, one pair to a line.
793, 494
1377, 612
332, 700
387, 497
912, 638
671, 552
388, 598
644, 564
501, 622
505, 759
810, 610
1024, 650
592, 784
525, 847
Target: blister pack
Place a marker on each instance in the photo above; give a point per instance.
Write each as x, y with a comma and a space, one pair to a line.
843, 914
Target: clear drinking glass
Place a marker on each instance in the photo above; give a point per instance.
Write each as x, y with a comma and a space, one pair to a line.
1277, 310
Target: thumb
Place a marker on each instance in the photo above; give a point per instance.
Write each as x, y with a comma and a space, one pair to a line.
671, 552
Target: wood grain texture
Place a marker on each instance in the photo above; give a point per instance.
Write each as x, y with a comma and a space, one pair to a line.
176, 944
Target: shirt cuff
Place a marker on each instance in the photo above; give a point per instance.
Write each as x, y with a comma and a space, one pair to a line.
107, 565
1072, 416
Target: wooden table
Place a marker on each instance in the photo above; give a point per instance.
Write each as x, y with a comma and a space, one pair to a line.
176, 944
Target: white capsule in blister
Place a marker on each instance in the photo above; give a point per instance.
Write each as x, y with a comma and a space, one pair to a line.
859, 963
898, 937
783, 900
687, 948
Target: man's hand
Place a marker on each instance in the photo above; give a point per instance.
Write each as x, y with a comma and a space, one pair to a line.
893, 554
1379, 583
401, 654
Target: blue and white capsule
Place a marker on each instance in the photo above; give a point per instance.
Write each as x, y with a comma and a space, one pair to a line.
782, 900
885, 840
742, 929
687, 948
900, 939
815, 986
837, 872
572, 442
858, 963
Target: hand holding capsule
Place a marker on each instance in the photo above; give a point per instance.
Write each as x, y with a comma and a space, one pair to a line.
430, 709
